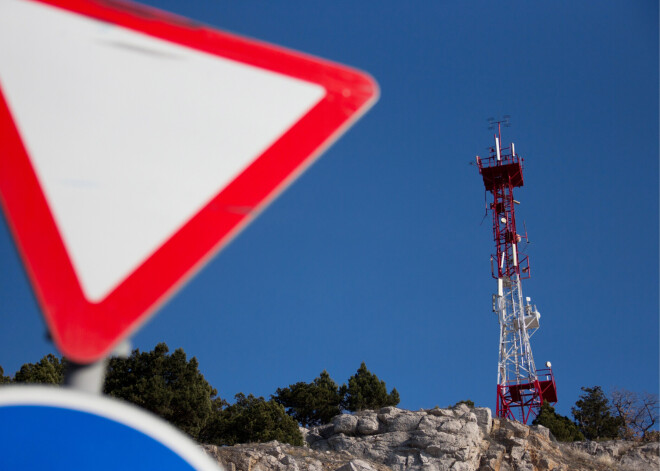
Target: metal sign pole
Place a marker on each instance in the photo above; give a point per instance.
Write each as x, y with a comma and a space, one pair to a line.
91, 377
88, 378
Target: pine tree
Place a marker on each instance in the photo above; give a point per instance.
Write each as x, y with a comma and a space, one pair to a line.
4, 379
366, 391
49, 370
252, 419
593, 415
170, 386
314, 403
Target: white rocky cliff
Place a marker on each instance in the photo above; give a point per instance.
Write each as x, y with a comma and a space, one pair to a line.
460, 439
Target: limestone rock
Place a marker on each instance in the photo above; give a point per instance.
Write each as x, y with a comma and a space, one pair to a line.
484, 419
412, 440
367, 425
357, 465
274, 456
455, 439
625, 455
345, 423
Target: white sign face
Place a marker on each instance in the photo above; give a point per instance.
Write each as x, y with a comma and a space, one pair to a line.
131, 135
135, 145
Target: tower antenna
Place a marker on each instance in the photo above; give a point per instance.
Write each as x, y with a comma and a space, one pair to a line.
521, 388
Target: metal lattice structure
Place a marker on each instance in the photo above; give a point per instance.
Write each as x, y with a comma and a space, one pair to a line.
521, 388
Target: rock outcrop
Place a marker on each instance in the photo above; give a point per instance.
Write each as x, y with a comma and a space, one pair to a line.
434, 439
457, 439
275, 456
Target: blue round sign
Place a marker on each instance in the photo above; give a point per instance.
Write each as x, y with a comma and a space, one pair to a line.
60, 429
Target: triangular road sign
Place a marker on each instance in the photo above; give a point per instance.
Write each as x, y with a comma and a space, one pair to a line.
135, 144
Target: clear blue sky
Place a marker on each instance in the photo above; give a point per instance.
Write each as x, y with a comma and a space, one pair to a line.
377, 253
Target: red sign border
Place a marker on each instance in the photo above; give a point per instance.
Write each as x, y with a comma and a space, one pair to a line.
85, 331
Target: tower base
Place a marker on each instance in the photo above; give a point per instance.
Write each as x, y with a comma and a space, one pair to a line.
521, 401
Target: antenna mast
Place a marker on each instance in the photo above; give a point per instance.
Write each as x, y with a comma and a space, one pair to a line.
521, 388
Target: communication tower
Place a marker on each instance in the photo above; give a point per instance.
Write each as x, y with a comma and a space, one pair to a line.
521, 388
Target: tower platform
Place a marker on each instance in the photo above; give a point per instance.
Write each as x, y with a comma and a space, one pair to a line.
495, 172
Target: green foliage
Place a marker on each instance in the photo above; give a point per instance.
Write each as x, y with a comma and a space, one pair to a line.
251, 419
171, 386
4, 379
593, 415
167, 385
214, 429
366, 391
310, 404
49, 370
561, 427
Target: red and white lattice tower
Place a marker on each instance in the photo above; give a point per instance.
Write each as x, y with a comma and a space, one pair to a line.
521, 388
